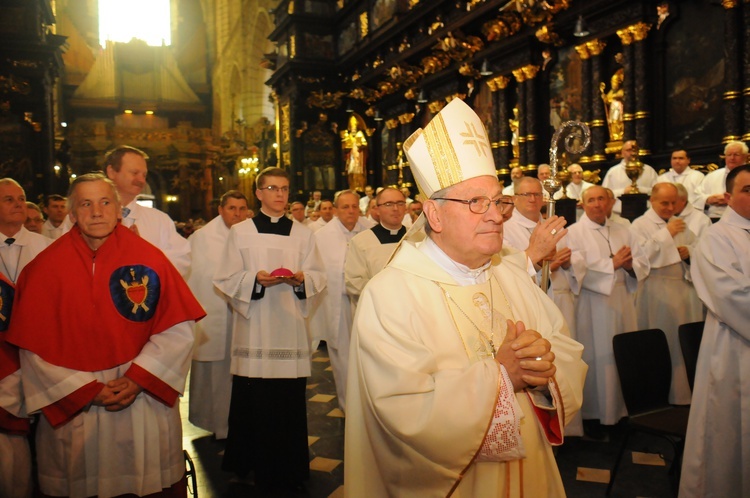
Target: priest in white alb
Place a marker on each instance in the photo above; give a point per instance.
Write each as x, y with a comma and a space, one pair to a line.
664, 298
210, 380
331, 319
605, 306
716, 460
369, 251
462, 373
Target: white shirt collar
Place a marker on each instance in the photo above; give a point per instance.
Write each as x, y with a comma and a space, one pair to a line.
462, 274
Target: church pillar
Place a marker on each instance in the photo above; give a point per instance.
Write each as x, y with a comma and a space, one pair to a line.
732, 75
598, 122
521, 106
628, 84
533, 125
500, 139
586, 93
746, 65
643, 83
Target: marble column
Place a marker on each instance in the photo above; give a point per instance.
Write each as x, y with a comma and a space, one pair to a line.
583, 53
598, 121
642, 88
746, 66
533, 124
500, 139
628, 84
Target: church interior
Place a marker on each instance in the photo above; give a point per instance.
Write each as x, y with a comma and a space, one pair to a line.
216, 90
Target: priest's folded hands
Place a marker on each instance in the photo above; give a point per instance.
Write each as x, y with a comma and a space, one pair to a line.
526, 356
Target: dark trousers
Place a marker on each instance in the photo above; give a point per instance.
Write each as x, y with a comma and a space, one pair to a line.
268, 431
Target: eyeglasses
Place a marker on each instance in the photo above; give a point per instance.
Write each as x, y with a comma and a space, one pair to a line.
392, 204
533, 195
480, 204
275, 189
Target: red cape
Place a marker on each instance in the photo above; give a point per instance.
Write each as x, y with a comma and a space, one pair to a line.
73, 307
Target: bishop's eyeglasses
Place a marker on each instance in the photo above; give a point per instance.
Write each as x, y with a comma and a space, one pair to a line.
481, 203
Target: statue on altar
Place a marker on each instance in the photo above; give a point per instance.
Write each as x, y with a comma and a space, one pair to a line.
513, 124
613, 105
354, 143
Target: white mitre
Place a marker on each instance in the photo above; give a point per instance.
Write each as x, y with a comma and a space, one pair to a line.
453, 147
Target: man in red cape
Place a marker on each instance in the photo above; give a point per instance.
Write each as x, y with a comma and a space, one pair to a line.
105, 365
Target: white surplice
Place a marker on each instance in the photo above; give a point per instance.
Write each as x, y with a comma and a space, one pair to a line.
716, 460
269, 335
137, 450
421, 399
714, 183
210, 379
666, 299
157, 227
365, 257
605, 307
689, 178
331, 318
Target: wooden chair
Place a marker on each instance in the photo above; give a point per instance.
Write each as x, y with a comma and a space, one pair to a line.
690, 342
645, 370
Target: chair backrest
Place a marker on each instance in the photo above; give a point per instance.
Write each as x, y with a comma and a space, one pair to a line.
690, 343
645, 369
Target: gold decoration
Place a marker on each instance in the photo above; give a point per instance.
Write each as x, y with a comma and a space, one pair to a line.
732, 94
729, 4
595, 47
467, 69
518, 74
324, 100
592, 176
285, 123
436, 106
583, 51
406, 118
290, 8
530, 71
363, 25
628, 117
292, 47
498, 83
391, 124
626, 36
508, 24
546, 35
640, 31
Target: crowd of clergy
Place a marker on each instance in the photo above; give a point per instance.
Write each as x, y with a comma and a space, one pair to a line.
274, 284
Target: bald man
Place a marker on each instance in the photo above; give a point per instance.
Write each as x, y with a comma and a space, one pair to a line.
665, 299
605, 307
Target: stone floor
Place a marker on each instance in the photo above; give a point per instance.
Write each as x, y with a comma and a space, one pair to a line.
584, 463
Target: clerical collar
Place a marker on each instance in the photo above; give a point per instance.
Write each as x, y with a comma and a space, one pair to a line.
272, 225
274, 219
462, 274
386, 235
392, 232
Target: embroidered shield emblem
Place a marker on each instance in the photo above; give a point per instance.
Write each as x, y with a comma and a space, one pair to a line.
135, 291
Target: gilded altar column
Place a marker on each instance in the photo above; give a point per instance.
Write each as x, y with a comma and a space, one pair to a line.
628, 84
530, 116
521, 129
732, 75
746, 66
500, 140
583, 53
598, 122
642, 88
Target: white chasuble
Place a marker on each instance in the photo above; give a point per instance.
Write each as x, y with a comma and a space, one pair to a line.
421, 402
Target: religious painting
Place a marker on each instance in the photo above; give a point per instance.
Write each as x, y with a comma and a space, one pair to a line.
382, 12
694, 78
319, 46
347, 38
565, 88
